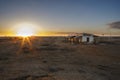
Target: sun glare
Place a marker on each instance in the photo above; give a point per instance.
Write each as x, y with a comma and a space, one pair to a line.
25, 30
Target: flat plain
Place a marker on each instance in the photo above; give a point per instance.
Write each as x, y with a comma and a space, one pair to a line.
51, 58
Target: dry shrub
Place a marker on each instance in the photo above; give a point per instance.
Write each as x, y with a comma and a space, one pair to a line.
67, 49
47, 48
32, 77
4, 56
45, 44
26, 50
55, 69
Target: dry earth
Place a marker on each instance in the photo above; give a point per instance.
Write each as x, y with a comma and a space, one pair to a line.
53, 59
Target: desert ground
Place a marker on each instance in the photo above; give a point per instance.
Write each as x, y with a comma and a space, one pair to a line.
51, 58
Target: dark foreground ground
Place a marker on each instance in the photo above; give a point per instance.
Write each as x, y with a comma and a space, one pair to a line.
53, 59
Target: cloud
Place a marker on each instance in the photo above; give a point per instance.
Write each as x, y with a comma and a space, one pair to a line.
115, 25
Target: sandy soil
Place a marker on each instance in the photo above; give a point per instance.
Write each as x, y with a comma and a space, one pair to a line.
53, 59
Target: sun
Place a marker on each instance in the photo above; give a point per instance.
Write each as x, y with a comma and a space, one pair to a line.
25, 30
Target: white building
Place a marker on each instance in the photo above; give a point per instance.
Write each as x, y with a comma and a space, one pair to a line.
84, 38
88, 38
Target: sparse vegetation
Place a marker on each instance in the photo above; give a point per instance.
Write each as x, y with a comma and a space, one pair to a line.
53, 59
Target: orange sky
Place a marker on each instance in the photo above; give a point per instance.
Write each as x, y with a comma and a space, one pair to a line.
59, 16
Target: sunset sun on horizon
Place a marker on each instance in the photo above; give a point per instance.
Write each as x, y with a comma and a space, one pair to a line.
25, 29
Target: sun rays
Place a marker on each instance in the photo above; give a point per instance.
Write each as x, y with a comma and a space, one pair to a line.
25, 45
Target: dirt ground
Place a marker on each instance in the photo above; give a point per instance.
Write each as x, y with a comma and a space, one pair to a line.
50, 58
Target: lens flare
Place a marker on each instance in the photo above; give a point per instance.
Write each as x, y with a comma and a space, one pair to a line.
25, 30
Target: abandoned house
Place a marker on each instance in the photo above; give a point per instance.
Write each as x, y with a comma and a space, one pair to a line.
82, 38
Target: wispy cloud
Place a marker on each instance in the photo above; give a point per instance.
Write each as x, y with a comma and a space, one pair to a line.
115, 25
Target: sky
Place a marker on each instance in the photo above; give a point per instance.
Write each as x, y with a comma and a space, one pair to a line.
90, 16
